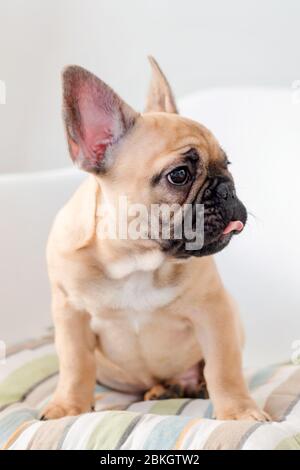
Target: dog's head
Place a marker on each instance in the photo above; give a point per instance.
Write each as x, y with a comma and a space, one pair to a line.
157, 157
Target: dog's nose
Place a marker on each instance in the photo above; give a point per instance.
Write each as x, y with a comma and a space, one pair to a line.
225, 191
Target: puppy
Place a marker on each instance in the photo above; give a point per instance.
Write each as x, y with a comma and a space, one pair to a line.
143, 315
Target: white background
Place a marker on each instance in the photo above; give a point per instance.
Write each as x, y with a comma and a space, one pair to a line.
200, 43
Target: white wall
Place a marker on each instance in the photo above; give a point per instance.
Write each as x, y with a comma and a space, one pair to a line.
199, 43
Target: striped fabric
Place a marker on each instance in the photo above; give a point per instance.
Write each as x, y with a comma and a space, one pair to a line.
121, 421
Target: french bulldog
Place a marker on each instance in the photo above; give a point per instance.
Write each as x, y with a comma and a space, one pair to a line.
143, 315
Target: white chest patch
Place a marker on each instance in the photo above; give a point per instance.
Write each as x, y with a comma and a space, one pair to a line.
130, 264
130, 291
137, 297
132, 283
137, 292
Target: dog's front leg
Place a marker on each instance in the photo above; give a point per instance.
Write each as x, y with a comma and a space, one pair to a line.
75, 344
220, 336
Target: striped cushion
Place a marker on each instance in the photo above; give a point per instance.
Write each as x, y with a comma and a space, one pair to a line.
121, 421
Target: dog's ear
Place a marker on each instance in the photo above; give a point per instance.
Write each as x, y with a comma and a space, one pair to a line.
160, 96
95, 117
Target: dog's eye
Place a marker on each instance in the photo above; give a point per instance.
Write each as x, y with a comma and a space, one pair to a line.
179, 176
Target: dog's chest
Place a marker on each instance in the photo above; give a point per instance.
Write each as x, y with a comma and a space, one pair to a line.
139, 293
132, 300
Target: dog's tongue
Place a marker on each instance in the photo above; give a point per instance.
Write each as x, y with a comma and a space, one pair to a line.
234, 226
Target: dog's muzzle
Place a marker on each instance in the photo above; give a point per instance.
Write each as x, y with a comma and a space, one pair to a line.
223, 215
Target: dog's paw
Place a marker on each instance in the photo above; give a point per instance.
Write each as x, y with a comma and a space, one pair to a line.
55, 410
175, 389
252, 413
163, 392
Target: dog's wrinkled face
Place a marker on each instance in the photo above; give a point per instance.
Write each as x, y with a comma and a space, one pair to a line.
157, 157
